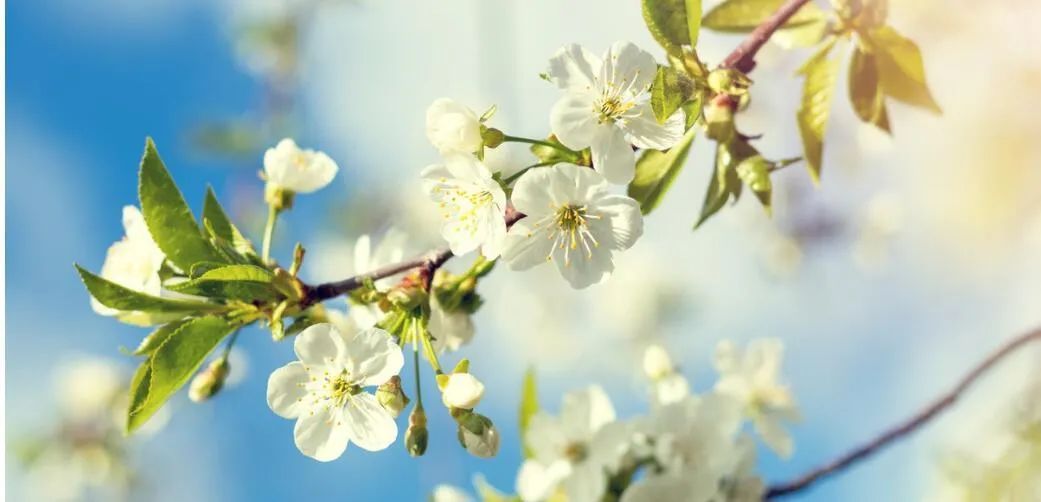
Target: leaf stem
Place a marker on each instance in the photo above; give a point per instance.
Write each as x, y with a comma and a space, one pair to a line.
556, 146
269, 232
513, 177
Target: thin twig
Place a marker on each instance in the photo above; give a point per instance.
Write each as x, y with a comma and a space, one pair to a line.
742, 58
904, 428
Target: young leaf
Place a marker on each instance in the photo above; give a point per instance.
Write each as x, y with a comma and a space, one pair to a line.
864, 91
139, 385
167, 215
693, 12
901, 70
157, 337
172, 364
754, 171
529, 406
222, 226
655, 172
239, 282
669, 91
812, 117
117, 297
667, 22
723, 185
739, 16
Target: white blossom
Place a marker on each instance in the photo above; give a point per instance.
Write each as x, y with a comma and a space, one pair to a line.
656, 362
575, 450
449, 493
453, 128
606, 107
667, 384
472, 204
573, 220
87, 389
290, 168
367, 258
752, 377
450, 330
462, 390
133, 263
325, 390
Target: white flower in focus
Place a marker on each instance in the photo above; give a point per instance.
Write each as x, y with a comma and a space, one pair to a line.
133, 263
324, 390
453, 128
450, 330
574, 451
462, 390
606, 107
752, 377
449, 493
289, 168
471, 202
572, 220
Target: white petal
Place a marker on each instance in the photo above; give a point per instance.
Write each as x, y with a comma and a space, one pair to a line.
645, 131
373, 357
286, 390
586, 482
452, 127
526, 246
623, 216
573, 67
321, 435
574, 120
774, 436
586, 411
536, 193
537, 482
450, 330
583, 270
495, 238
319, 345
691, 484
627, 64
462, 390
449, 493
613, 155
546, 438
371, 427
298, 170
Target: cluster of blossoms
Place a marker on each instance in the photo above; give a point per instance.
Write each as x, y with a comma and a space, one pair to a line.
689, 447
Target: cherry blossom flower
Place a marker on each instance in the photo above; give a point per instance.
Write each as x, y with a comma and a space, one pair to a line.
287, 167
471, 202
572, 220
450, 330
453, 128
606, 107
133, 263
325, 390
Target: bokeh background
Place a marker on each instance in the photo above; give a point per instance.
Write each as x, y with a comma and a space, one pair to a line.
917, 254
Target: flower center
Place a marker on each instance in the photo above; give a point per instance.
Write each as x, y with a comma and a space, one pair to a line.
341, 388
576, 452
300, 161
572, 230
612, 107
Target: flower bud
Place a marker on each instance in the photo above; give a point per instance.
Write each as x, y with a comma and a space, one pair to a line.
462, 390
478, 435
728, 81
391, 397
452, 127
492, 137
416, 435
719, 118
407, 298
209, 381
656, 362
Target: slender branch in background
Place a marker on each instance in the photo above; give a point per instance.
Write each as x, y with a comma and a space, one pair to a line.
743, 56
902, 429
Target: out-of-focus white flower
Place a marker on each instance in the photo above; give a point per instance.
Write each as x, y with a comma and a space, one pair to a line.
606, 107
325, 390
753, 378
453, 128
449, 493
366, 258
450, 330
668, 385
471, 202
133, 263
575, 451
287, 167
572, 220
87, 388
656, 362
462, 390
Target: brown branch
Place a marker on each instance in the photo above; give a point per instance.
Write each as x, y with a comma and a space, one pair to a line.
902, 429
742, 58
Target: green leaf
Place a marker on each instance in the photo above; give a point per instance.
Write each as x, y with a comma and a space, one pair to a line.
157, 337
812, 116
865, 93
117, 297
167, 215
240, 282
901, 70
222, 226
669, 91
723, 185
667, 22
529, 406
692, 109
801, 35
172, 364
739, 16
655, 172
693, 13
754, 171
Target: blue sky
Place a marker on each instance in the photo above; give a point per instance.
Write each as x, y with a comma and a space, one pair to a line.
86, 87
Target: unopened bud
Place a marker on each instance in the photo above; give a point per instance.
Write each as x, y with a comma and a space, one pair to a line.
209, 381
728, 81
461, 390
478, 435
492, 137
416, 435
391, 397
